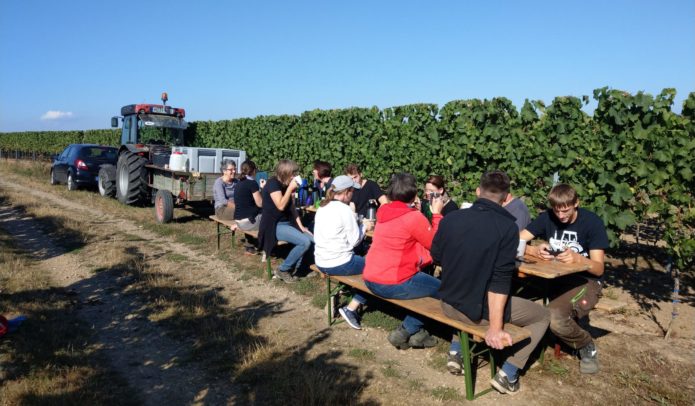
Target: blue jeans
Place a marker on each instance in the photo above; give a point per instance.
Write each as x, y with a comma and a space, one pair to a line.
420, 285
354, 266
301, 241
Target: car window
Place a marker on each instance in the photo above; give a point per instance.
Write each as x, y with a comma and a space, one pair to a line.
65, 153
98, 153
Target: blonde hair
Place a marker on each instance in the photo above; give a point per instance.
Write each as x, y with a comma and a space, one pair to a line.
285, 170
330, 195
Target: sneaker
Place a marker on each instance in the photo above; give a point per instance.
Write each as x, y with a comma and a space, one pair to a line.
422, 339
502, 384
589, 359
350, 317
454, 363
284, 276
399, 338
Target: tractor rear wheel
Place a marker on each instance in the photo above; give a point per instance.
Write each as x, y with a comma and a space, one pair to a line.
131, 187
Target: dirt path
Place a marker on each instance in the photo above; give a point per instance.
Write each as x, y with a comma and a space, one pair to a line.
159, 366
138, 352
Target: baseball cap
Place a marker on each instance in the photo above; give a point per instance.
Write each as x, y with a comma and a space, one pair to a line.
343, 182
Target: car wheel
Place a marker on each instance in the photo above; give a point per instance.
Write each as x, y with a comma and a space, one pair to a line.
54, 181
71, 183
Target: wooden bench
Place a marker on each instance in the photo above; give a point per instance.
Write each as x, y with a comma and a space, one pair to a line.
432, 309
232, 225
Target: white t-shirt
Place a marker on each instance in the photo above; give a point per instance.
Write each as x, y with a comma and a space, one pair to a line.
336, 233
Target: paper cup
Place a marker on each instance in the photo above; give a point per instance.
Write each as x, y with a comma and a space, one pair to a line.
521, 248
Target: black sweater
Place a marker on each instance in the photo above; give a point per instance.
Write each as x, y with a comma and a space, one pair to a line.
476, 248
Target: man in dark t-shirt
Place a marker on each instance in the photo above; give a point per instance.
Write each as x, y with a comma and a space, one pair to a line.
369, 190
575, 236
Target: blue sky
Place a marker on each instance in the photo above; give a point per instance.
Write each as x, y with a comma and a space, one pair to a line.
73, 64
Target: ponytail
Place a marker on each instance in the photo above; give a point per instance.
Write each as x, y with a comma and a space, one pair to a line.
248, 168
330, 194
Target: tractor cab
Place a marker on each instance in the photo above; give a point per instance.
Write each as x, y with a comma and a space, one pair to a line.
146, 125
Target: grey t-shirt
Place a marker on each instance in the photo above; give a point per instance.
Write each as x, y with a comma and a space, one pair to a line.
223, 192
518, 209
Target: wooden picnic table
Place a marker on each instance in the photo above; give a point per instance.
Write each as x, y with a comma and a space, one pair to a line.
548, 269
310, 209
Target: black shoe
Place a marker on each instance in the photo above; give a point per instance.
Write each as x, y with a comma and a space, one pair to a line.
502, 384
589, 359
422, 339
453, 363
399, 338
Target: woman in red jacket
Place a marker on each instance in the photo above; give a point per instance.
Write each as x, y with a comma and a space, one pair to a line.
400, 247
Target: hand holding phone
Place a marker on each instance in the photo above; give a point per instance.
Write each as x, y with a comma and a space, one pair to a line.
554, 252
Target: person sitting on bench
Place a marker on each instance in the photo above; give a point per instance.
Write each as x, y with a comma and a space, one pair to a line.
477, 250
248, 201
336, 233
223, 191
280, 221
400, 248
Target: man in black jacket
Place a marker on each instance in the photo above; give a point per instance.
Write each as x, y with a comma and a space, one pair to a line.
477, 248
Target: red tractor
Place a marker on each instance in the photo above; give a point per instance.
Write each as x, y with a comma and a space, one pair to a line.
145, 173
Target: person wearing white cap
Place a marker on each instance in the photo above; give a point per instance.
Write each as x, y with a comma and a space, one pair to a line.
336, 232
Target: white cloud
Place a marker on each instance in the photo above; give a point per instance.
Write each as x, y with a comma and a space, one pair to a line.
56, 115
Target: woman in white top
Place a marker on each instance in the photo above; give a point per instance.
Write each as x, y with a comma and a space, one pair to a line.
336, 233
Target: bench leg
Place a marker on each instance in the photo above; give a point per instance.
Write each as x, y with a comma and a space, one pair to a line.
328, 301
467, 370
493, 369
331, 292
219, 234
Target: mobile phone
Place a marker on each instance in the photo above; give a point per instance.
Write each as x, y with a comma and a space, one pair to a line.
261, 175
554, 252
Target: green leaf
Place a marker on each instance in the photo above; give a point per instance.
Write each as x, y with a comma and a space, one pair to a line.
621, 194
624, 219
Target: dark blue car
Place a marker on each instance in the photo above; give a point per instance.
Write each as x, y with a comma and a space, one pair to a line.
78, 165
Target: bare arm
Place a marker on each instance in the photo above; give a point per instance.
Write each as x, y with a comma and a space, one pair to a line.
539, 251
281, 200
526, 235
257, 198
301, 226
595, 260
495, 336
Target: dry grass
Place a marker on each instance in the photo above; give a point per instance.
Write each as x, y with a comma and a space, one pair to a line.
647, 380
52, 357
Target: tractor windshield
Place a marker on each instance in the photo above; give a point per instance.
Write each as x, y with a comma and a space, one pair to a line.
156, 129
